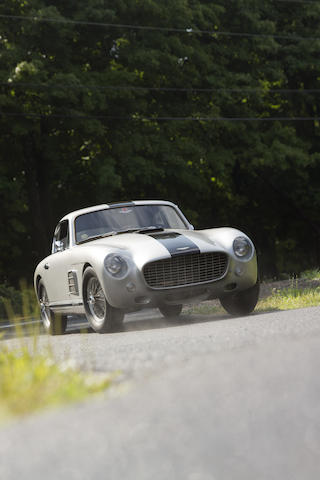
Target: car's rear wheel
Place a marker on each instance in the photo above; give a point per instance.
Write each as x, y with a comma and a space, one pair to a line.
54, 324
241, 303
102, 317
170, 311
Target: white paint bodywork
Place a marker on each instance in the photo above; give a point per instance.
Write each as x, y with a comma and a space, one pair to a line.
138, 250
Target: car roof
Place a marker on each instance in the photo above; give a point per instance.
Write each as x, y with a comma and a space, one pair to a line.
72, 215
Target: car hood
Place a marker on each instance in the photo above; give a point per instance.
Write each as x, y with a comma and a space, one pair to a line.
145, 247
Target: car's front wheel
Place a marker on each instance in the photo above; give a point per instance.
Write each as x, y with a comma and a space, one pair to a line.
102, 317
54, 324
241, 303
170, 311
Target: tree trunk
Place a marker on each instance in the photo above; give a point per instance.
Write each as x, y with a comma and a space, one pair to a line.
38, 192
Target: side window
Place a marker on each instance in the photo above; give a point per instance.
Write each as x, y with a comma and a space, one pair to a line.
64, 234
61, 234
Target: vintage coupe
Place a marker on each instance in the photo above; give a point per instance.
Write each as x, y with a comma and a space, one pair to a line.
109, 260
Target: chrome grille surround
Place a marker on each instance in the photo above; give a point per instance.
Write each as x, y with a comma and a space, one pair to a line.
188, 269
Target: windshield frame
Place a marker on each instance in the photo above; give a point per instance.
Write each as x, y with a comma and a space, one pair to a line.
184, 221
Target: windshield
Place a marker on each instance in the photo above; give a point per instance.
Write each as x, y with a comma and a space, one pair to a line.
133, 217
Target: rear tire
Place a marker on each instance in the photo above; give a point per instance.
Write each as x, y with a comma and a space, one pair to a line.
241, 303
102, 317
170, 311
54, 324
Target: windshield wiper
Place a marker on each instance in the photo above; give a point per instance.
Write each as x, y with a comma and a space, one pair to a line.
96, 237
129, 230
141, 230
151, 229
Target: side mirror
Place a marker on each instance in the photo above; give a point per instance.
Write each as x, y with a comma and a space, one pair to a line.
58, 245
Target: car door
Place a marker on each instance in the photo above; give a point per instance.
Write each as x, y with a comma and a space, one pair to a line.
56, 277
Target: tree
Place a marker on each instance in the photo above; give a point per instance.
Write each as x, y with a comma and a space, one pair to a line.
96, 107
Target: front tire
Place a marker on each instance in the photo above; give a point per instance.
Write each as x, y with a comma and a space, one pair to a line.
170, 311
54, 324
102, 317
241, 303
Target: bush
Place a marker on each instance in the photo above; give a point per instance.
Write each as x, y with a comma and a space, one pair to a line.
15, 302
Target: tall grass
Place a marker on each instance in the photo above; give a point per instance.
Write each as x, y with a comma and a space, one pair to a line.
31, 380
20, 302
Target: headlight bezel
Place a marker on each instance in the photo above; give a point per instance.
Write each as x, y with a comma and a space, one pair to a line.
116, 265
243, 248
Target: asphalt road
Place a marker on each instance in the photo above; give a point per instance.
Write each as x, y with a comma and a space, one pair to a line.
202, 399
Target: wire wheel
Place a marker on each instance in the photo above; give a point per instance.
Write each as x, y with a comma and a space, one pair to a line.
96, 300
101, 316
44, 307
53, 324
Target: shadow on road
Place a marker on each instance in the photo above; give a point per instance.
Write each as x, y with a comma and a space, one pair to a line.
139, 321
160, 322
132, 322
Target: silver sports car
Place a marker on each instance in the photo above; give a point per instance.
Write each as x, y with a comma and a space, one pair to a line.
112, 259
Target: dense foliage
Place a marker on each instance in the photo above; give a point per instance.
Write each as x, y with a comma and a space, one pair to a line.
96, 110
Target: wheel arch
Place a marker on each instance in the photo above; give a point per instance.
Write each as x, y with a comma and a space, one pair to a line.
98, 269
38, 278
85, 266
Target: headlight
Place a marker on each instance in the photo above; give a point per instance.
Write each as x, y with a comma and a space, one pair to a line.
242, 247
115, 265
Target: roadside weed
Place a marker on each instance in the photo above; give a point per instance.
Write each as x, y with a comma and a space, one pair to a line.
290, 298
31, 379
313, 274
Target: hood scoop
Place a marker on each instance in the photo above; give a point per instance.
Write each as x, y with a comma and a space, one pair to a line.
176, 243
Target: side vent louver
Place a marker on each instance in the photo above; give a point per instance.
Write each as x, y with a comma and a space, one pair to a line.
73, 282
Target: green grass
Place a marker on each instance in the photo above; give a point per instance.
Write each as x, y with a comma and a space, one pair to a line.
31, 380
290, 298
313, 274
280, 299
17, 302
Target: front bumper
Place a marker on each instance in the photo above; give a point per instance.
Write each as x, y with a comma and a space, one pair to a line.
132, 292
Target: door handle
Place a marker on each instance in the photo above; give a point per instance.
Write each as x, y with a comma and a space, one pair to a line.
46, 266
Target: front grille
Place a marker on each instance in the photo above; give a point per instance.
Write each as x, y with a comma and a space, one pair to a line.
186, 270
